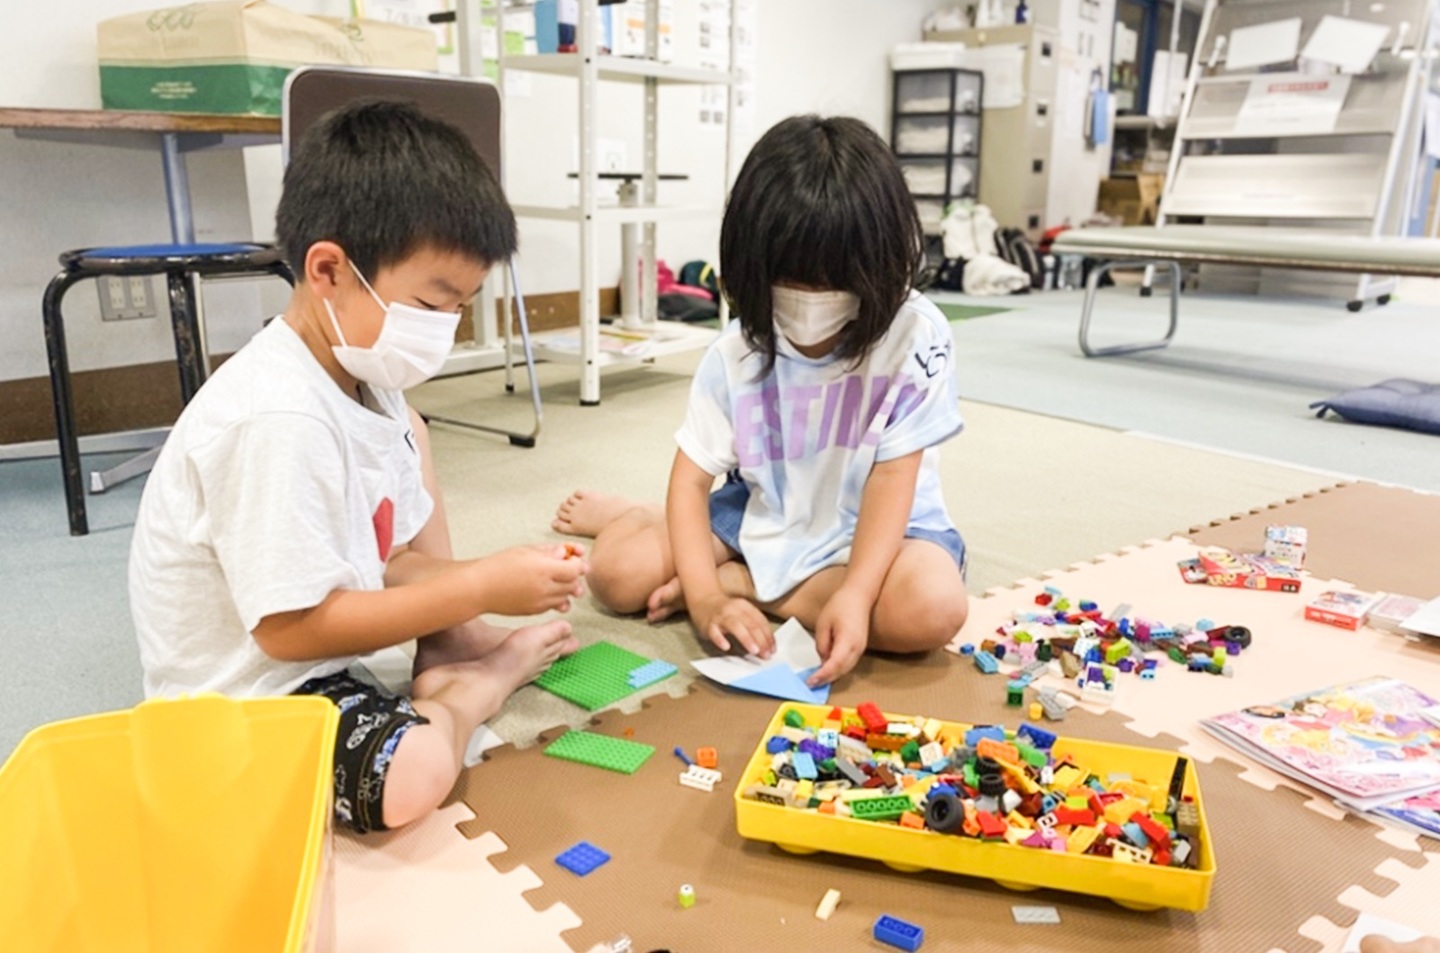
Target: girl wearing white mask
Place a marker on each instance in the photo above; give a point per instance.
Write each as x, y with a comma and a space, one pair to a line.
823, 407
292, 522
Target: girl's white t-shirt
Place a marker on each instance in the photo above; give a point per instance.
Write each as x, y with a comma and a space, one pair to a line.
273, 490
806, 436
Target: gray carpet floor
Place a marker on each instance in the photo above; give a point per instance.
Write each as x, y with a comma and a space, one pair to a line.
1030, 492
1239, 376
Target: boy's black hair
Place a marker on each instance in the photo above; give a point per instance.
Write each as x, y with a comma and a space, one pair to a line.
383, 180
820, 202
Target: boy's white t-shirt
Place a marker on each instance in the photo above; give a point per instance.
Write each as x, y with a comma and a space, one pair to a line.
273, 490
806, 436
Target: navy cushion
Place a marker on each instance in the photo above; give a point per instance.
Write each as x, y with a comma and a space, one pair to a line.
169, 251
1393, 403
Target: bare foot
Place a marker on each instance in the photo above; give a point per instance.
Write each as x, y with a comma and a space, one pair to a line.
587, 512
464, 643
665, 602
520, 658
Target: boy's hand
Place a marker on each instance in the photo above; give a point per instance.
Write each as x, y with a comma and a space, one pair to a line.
528, 580
725, 617
841, 634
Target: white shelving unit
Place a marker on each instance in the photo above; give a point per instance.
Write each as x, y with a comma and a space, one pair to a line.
1358, 177
637, 336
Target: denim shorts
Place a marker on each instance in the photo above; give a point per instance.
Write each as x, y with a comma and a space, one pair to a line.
727, 510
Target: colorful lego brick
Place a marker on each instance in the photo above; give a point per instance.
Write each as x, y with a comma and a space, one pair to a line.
912, 821
870, 714
1037, 736
851, 772
973, 735
601, 751
881, 808
986, 662
804, 766
582, 858
701, 779
999, 750
991, 827
650, 673
898, 933
707, 757
1015, 692
593, 677
828, 903
685, 896
793, 719
1081, 839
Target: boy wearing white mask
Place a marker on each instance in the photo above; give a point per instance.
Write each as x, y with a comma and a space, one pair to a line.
824, 406
292, 522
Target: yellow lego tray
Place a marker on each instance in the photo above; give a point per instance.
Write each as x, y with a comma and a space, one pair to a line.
1135, 886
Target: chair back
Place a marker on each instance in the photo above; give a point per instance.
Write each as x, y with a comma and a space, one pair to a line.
470, 105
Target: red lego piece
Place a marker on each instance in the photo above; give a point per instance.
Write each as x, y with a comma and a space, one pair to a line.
1114, 830
990, 825
1156, 832
1044, 599
1162, 858
835, 714
869, 713
854, 731
1076, 817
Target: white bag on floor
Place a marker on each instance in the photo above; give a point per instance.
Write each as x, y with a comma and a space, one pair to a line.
993, 275
969, 231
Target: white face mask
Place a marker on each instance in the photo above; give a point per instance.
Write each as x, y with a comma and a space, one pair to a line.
809, 317
411, 348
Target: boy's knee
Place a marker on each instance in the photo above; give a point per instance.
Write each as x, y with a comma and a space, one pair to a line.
615, 587
421, 775
930, 621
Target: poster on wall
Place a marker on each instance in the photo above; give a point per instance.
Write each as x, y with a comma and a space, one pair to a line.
1292, 104
414, 13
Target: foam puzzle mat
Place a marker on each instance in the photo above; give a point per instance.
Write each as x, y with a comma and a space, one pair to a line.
1293, 871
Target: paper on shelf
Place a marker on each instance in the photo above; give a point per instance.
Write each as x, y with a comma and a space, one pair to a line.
1263, 44
1348, 44
1292, 104
780, 676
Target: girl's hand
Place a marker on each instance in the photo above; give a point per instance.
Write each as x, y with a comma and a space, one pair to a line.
841, 634
726, 617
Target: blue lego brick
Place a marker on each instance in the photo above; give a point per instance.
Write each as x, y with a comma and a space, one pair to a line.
582, 858
986, 662
1039, 737
777, 744
650, 673
804, 765
898, 933
973, 736
967, 649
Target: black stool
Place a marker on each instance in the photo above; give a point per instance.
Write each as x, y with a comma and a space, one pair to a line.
180, 264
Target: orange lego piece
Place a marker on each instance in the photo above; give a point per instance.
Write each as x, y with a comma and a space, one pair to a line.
999, 750
707, 757
912, 820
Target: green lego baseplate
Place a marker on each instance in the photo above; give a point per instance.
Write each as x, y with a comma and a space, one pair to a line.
595, 676
600, 751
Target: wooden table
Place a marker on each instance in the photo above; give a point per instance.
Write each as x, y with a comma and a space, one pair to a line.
171, 134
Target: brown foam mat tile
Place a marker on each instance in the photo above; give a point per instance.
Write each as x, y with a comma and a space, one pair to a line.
753, 895
1377, 537
425, 887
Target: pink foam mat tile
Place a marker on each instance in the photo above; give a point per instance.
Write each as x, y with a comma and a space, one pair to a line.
427, 887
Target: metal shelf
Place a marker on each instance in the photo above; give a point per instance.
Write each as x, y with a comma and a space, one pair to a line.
620, 214
619, 68
646, 343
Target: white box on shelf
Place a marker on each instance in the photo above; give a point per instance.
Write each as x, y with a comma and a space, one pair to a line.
916, 56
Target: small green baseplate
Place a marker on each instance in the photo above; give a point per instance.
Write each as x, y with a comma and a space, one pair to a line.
601, 751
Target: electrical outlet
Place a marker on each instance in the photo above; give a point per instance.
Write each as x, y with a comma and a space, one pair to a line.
127, 298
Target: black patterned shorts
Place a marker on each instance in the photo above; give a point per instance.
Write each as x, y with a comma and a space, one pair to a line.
372, 722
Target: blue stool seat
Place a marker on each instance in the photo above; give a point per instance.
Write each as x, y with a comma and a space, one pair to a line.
181, 265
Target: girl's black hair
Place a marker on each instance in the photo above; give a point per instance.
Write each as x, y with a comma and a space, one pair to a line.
382, 180
820, 202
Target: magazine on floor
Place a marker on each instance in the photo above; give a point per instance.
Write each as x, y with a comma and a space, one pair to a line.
1368, 743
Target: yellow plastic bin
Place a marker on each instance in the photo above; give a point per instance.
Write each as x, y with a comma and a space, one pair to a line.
1141, 887
180, 825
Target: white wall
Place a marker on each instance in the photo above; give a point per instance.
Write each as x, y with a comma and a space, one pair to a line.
825, 56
